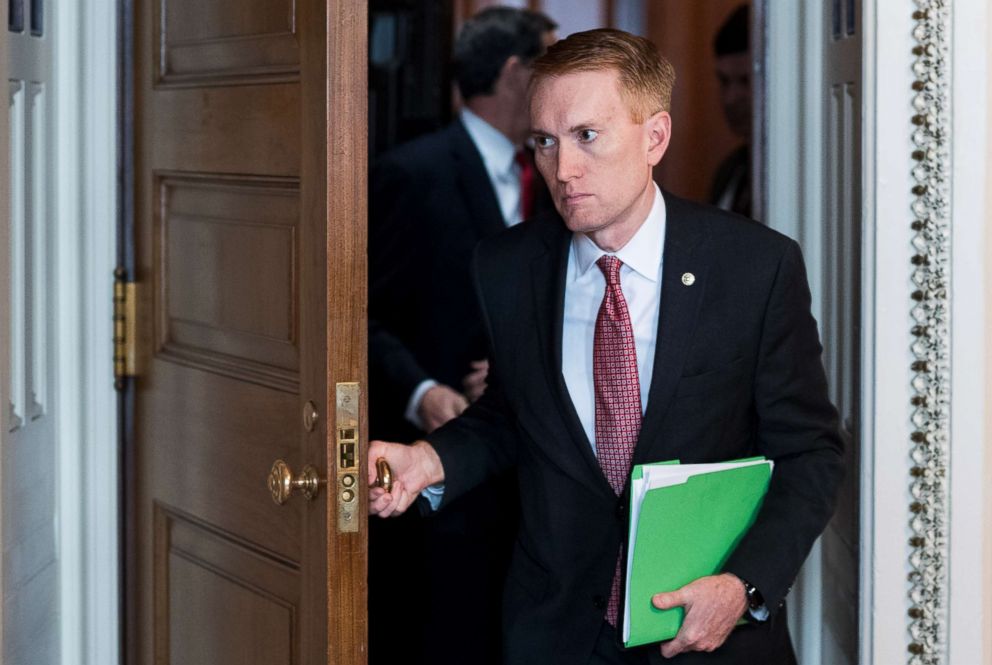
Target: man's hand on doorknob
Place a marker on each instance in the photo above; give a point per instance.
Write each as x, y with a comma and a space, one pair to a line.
413, 468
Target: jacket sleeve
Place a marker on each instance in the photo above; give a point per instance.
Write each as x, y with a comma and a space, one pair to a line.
798, 429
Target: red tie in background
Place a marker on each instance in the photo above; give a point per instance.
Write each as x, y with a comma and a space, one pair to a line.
618, 394
526, 164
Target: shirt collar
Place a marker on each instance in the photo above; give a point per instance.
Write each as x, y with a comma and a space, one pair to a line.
642, 253
497, 151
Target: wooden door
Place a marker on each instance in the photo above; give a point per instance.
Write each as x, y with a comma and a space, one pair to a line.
249, 149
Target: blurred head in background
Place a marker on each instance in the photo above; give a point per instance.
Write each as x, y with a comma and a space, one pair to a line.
733, 70
493, 61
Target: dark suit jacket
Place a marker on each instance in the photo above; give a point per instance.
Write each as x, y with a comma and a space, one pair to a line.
736, 164
430, 203
737, 372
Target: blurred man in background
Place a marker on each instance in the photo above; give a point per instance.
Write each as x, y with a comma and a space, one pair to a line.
430, 202
731, 188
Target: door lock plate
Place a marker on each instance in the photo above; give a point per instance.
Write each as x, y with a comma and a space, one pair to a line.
348, 456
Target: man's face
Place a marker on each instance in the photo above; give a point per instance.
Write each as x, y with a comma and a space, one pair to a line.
596, 160
734, 75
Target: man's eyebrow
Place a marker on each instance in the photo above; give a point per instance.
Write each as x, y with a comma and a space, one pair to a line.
571, 130
588, 124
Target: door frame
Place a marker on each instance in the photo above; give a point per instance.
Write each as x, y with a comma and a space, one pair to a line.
4, 261
85, 50
788, 99
83, 221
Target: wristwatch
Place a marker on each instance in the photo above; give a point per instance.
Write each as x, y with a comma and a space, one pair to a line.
754, 598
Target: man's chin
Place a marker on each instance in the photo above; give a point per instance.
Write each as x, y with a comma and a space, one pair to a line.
583, 223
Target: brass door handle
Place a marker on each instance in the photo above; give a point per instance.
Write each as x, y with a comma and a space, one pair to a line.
383, 475
282, 482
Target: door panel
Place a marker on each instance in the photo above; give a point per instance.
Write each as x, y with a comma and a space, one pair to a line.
249, 174
199, 590
228, 276
224, 39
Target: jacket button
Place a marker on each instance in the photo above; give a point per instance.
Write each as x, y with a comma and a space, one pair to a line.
621, 510
599, 602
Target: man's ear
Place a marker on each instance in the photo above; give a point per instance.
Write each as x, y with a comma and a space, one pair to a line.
659, 131
510, 71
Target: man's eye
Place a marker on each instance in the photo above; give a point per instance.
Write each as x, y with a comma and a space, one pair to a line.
543, 141
588, 135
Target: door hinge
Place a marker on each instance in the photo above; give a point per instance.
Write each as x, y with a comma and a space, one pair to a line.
125, 328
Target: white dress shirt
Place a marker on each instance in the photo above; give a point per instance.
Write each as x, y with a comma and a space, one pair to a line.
640, 282
498, 154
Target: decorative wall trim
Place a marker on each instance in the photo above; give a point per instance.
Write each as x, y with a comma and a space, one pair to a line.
931, 376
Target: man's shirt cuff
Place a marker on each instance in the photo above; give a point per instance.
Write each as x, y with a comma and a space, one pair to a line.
759, 614
413, 405
434, 494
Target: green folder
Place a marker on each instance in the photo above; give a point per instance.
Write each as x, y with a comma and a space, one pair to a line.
685, 521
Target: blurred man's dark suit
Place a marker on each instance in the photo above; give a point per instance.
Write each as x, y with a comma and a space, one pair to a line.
430, 203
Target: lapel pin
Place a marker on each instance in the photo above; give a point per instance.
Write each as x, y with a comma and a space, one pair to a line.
688, 278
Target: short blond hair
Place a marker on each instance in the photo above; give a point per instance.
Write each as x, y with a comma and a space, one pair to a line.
646, 76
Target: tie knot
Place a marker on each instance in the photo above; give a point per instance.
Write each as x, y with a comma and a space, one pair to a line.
610, 265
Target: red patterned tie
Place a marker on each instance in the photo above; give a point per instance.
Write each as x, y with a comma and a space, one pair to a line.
618, 394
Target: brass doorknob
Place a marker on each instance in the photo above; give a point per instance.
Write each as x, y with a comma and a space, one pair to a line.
282, 482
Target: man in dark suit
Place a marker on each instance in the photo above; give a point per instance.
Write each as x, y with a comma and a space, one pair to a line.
634, 327
431, 201
731, 185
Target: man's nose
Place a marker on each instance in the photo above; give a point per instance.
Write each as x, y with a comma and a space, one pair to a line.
569, 164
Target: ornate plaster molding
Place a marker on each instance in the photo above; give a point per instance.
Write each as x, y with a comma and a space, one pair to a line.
930, 310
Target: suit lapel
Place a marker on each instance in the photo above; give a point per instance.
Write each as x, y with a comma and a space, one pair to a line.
548, 273
683, 255
474, 183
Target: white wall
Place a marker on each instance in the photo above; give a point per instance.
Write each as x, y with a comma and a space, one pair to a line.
574, 16
885, 486
971, 331
4, 277
630, 15
987, 562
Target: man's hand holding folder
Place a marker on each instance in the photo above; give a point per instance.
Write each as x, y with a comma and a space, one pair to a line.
713, 605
